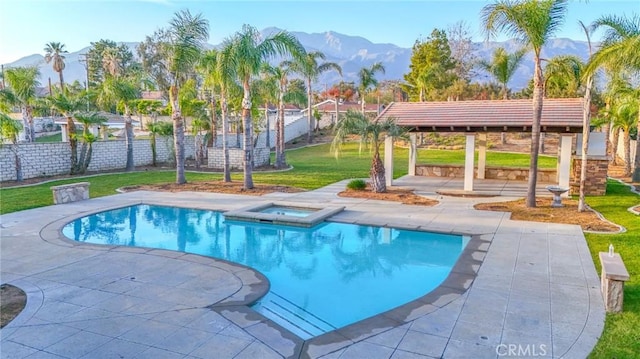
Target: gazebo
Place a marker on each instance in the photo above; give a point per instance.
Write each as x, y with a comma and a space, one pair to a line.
477, 118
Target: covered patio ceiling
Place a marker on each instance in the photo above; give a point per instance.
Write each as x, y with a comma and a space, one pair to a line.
558, 116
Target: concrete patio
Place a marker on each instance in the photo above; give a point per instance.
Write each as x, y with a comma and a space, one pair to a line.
527, 287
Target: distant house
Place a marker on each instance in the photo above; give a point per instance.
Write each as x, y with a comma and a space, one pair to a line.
289, 109
113, 121
153, 95
327, 109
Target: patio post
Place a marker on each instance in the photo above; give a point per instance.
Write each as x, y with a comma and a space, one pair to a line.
564, 173
482, 154
388, 160
65, 136
413, 154
469, 162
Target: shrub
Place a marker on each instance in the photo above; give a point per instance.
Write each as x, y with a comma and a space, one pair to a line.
357, 185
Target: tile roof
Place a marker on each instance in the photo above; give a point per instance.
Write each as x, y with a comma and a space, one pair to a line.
558, 115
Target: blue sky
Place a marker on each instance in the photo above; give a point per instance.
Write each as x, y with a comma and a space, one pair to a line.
26, 25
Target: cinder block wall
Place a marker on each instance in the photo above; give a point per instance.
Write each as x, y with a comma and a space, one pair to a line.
50, 159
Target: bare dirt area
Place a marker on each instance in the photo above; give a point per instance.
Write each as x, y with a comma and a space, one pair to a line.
215, 186
403, 196
12, 302
543, 212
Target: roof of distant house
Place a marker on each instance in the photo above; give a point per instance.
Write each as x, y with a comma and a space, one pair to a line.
558, 115
287, 107
329, 106
152, 95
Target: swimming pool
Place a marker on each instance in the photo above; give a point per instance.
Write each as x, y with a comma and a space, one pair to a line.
322, 278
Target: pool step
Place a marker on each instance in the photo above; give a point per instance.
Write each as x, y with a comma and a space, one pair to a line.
291, 316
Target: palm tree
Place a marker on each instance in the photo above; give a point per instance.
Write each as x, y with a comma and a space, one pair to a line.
625, 117
9, 130
156, 129
619, 50
586, 127
503, 66
370, 132
280, 75
21, 91
367, 79
122, 90
225, 73
309, 68
187, 34
87, 119
563, 76
208, 67
533, 22
246, 54
54, 54
66, 105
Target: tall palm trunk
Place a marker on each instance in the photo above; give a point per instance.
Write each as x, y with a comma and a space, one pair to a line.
225, 137
535, 133
154, 152
213, 127
337, 119
309, 114
615, 140
626, 140
606, 128
636, 165
280, 160
178, 134
18, 160
128, 128
29, 130
268, 129
362, 102
505, 96
61, 81
586, 119
73, 144
247, 162
378, 181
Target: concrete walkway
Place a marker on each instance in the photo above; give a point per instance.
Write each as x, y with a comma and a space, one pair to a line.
528, 288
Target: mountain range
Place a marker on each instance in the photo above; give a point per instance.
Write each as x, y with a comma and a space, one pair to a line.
351, 53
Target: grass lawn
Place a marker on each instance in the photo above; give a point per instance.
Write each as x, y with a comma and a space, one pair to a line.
314, 167
621, 337
57, 137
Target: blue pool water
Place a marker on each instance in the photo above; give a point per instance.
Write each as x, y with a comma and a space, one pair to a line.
322, 278
288, 211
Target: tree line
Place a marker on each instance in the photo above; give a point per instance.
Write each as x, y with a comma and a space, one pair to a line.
236, 79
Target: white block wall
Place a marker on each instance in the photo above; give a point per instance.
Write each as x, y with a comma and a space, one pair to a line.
632, 148
236, 155
50, 159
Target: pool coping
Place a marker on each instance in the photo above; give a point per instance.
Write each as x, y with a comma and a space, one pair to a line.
236, 308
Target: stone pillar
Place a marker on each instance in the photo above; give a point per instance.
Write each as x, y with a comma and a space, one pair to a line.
614, 274
482, 155
65, 136
566, 140
413, 154
388, 160
469, 162
597, 172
